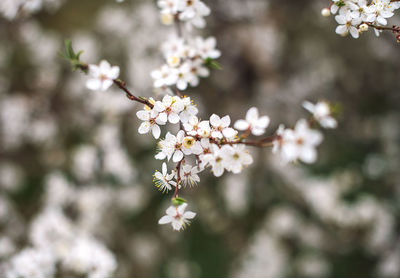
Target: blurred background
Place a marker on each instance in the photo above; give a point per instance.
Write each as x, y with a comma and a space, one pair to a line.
72, 162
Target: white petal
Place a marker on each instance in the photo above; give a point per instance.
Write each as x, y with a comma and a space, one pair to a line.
173, 118
143, 115
162, 118
341, 30
93, 84
341, 19
215, 120
158, 175
181, 85
165, 220
226, 121
256, 131
308, 155
144, 128
263, 122
176, 225
104, 66
354, 32
218, 171
309, 106
178, 155
229, 132
252, 115
106, 84
181, 208
159, 106
241, 125
189, 215
156, 131
114, 73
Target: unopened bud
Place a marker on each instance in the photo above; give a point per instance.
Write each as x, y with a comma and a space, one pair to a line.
325, 12
363, 27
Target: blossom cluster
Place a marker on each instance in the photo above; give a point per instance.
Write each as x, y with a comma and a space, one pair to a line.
185, 62
355, 16
201, 144
191, 12
212, 143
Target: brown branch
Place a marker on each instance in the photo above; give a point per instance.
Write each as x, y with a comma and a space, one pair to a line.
122, 85
265, 142
178, 179
394, 28
178, 26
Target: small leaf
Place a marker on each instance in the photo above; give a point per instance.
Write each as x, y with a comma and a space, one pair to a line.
212, 64
178, 201
78, 55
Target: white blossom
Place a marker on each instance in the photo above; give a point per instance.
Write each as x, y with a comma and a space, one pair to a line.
163, 180
236, 158
32, 263
253, 122
151, 121
170, 107
177, 216
322, 113
221, 127
189, 174
165, 76
189, 110
206, 48
300, 143
102, 76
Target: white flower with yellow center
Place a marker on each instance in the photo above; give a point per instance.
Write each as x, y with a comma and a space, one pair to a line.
191, 146
164, 181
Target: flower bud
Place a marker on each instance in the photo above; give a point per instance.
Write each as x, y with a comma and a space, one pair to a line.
325, 12
363, 27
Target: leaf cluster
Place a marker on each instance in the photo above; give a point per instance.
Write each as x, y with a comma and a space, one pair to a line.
72, 57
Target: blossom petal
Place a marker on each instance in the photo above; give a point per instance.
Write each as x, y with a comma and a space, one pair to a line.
165, 220
156, 131
241, 125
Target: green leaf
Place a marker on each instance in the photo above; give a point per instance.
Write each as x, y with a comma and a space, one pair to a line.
212, 64
340, 3
178, 201
72, 57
